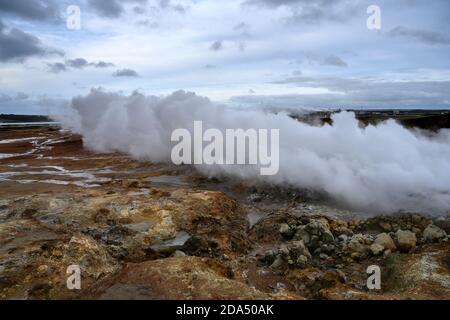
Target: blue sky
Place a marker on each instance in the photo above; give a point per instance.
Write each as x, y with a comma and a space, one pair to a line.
272, 53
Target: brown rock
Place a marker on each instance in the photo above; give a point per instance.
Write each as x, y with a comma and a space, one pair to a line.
433, 233
406, 240
385, 241
177, 278
376, 249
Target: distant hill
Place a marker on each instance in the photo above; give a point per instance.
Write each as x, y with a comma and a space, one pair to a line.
13, 118
417, 118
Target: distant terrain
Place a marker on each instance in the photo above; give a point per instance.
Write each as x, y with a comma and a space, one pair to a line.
13, 118
419, 118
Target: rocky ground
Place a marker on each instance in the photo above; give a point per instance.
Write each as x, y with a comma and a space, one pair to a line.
152, 231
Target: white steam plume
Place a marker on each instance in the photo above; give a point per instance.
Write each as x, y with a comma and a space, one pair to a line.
378, 168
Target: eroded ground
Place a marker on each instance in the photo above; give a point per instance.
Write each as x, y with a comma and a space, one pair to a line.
155, 231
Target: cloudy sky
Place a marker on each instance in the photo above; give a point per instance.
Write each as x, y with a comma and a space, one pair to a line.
279, 53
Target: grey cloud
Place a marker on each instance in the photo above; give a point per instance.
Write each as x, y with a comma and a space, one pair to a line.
125, 73
148, 23
332, 83
21, 96
428, 37
216, 46
244, 27
5, 98
78, 63
41, 105
179, 8
311, 15
279, 3
56, 67
244, 34
17, 45
333, 61
81, 63
167, 4
355, 93
31, 9
311, 12
324, 60
107, 8
22, 103
111, 8
139, 10
241, 45
102, 64
210, 66
164, 3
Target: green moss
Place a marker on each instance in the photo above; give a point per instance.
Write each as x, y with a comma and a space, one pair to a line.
393, 279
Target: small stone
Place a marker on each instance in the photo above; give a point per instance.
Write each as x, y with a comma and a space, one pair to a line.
433, 233
341, 275
277, 263
286, 231
443, 223
43, 270
327, 236
406, 240
320, 231
269, 255
39, 290
323, 256
303, 235
343, 238
57, 253
302, 260
298, 248
357, 243
327, 248
416, 218
385, 240
386, 226
132, 184
376, 249
355, 256
283, 250
357, 247
178, 253
387, 253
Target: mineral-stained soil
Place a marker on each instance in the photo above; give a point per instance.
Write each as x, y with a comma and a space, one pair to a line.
139, 230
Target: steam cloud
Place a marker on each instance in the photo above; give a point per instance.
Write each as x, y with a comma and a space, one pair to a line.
383, 168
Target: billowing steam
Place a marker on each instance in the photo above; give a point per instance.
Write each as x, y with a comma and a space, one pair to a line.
377, 168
